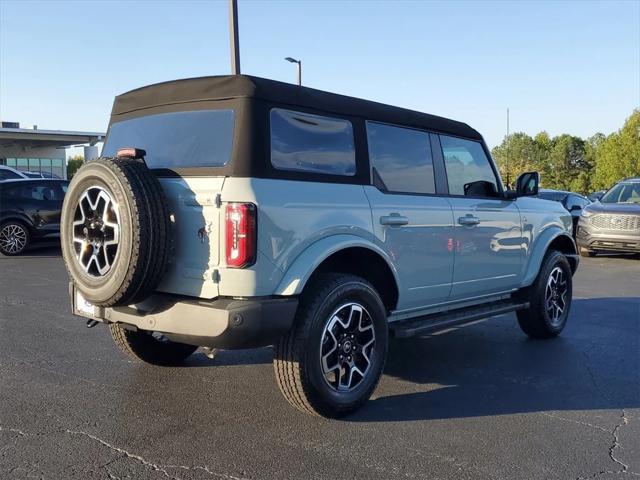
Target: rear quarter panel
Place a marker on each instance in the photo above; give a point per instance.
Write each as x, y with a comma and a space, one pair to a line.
292, 216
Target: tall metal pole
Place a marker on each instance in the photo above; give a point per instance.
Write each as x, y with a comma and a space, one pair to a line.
233, 32
299, 72
508, 144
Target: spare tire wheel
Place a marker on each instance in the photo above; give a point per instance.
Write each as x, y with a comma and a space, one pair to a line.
115, 231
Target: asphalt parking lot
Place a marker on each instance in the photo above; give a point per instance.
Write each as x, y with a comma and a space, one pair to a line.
477, 402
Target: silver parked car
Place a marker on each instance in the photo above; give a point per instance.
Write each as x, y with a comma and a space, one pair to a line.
236, 212
612, 224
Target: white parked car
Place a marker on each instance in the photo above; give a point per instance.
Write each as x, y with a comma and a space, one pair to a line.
8, 173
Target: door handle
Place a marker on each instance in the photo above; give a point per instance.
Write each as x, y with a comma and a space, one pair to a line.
469, 221
394, 220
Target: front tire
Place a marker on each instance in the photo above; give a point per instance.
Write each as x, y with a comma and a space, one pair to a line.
330, 362
143, 346
549, 298
14, 238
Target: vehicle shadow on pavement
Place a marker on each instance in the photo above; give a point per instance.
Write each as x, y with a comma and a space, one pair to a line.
43, 249
227, 358
493, 369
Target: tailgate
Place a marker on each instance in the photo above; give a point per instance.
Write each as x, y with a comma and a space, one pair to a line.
195, 245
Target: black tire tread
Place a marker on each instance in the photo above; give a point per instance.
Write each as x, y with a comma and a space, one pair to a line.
140, 346
150, 231
292, 379
530, 320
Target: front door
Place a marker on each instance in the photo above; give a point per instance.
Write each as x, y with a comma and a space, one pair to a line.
488, 235
411, 223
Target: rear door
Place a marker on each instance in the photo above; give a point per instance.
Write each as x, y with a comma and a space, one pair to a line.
412, 224
488, 236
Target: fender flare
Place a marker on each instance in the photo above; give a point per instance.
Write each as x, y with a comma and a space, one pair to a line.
299, 272
540, 248
18, 216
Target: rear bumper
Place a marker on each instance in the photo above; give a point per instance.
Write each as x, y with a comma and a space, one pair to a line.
593, 239
222, 323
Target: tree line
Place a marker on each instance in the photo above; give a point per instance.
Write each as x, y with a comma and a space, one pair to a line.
567, 162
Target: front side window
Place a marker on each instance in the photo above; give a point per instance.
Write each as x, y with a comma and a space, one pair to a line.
400, 158
469, 171
199, 138
312, 143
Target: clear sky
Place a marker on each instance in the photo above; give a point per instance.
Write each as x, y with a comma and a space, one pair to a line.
565, 67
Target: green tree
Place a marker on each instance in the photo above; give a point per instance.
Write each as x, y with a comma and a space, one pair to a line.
565, 163
618, 156
73, 164
516, 154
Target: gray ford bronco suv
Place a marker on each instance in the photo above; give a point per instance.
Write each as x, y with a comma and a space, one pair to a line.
237, 212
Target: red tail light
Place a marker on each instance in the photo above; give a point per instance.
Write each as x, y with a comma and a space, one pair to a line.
240, 223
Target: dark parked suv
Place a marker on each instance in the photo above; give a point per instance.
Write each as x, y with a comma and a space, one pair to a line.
573, 202
29, 209
613, 222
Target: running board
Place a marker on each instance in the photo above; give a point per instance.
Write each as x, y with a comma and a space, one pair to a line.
441, 321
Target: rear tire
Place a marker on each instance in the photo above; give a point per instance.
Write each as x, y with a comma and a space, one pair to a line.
142, 346
330, 362
14, 238
549, 298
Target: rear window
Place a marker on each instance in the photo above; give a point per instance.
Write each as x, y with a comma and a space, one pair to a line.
312, 143
202, 138
401, 157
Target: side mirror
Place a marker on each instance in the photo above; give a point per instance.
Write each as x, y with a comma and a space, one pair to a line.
527, 185
575, 208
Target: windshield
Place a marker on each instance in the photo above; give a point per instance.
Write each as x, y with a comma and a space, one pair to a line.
201, 138
623, 193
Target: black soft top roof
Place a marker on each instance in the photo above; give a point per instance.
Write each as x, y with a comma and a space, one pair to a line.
226, 87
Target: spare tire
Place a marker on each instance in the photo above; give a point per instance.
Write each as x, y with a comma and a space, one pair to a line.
115, 231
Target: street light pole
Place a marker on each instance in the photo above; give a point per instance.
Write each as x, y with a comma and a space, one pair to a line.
234, 37
299, 67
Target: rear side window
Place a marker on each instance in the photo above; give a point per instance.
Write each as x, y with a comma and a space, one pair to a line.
200, 138
466, 163
401, 158
41, 192
312, 143
8, 174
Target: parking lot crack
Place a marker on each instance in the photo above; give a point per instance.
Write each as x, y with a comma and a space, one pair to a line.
624, 420
138, 458
208, 471
585, 424
14, 430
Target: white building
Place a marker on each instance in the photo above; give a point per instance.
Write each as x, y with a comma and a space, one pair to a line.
43, 150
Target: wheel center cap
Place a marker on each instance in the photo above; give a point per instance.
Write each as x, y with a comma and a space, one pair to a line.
346, 346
